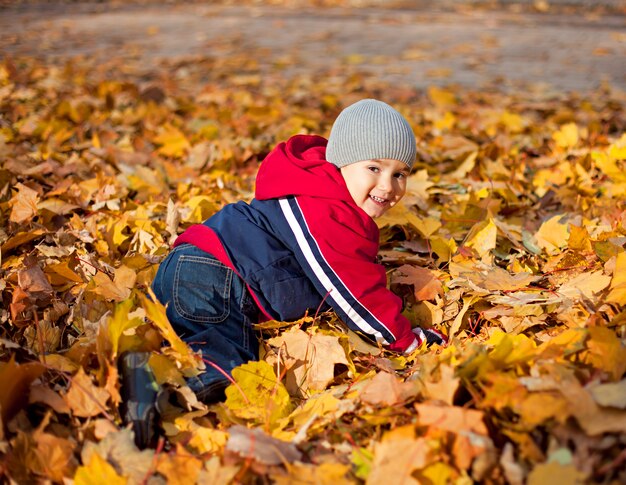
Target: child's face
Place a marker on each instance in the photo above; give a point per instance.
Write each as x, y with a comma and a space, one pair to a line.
376, 185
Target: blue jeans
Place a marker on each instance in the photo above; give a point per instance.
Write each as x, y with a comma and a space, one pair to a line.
211, 309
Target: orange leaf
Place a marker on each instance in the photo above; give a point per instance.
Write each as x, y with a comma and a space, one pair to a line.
15, 380
85, 399
23, 204
426, 286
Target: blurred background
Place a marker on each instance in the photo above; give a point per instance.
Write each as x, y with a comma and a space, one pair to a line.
555, 45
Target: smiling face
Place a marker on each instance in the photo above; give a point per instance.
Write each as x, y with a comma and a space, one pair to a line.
376, 185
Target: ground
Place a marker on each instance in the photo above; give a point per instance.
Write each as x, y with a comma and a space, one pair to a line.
576, 49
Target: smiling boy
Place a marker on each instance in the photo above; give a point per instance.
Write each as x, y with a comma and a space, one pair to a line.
307, 241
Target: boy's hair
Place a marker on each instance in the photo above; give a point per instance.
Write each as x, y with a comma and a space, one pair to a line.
367, 130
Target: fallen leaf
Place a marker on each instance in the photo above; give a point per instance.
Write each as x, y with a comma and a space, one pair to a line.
23, 204
618, 282
611, 394
553, 234
98, 472
84, 398
387, 390
312, 357
426, 286
255, 444
555, 473
180, 468
397, 455
258, 395
567, 136
482, 237
15, 381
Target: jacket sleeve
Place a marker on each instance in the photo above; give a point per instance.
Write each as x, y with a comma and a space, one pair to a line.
338, 255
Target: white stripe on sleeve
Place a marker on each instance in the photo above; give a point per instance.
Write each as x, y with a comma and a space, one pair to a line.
334, 293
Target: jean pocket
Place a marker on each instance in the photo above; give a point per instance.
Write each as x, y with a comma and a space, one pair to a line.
202, 287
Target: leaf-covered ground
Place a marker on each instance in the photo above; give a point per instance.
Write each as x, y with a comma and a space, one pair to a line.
511, 239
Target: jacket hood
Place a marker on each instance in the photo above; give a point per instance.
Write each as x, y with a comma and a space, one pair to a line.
299, 167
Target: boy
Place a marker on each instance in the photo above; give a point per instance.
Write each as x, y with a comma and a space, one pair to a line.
308, 239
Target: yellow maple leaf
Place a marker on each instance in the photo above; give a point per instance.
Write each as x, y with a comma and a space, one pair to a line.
617, 150
180, 468
512, 121
258, 396
538, 407
401, 215
207, 440
98, 472
553, 235
606, 351
327, 473
566, 136
511, 349
445, 122
173, 142
190, 362
119, 323
441, 97
482, 237
618, 283
119, 288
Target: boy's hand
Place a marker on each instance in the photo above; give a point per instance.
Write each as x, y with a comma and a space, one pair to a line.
429, 335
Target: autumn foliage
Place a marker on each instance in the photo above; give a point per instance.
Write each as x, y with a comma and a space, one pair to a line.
511, 240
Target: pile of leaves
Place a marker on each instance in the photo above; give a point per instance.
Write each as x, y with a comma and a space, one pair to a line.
511, 240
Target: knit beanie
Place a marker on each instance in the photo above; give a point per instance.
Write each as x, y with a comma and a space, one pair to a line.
367, 130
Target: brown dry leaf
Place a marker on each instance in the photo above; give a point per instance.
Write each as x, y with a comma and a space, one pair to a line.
23, 204
119, 288
618, 282
312, 359
43, 394
591, 417
387, 390
445, 388
34, 281
606, 351
255, 444
554, 472
498, 279
426, 285
119, 449
179, 468
328, 473
397, 456
84, 398
612, 394
538, 407
585, 285
52, 456
452, 418
15, 381
215, 472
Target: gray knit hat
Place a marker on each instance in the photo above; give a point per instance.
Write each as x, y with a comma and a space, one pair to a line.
367, 130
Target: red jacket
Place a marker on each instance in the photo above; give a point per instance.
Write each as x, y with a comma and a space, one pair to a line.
303, 242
